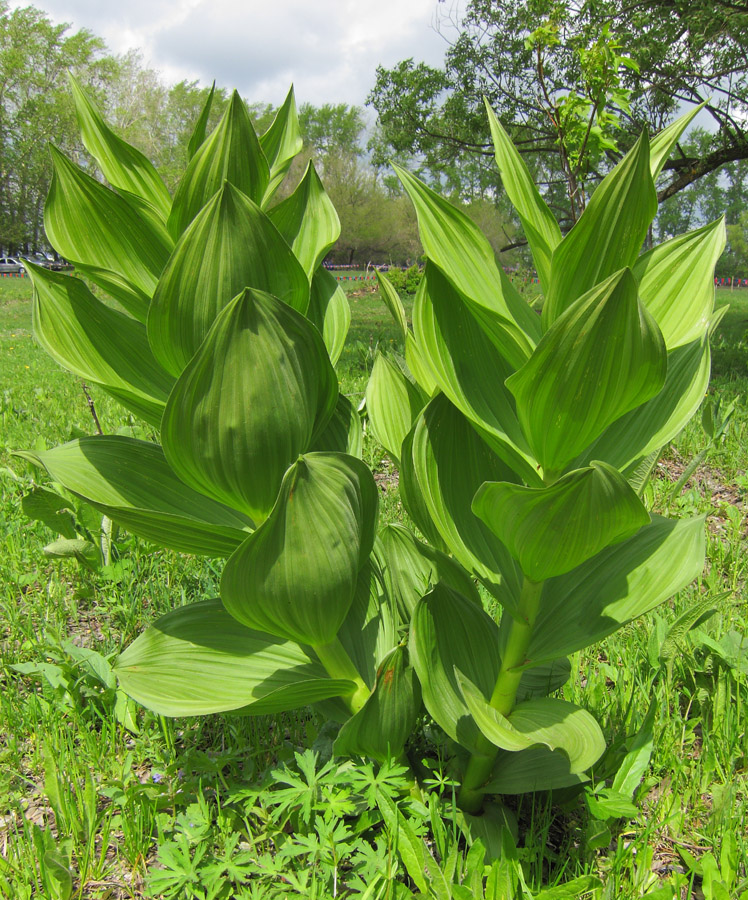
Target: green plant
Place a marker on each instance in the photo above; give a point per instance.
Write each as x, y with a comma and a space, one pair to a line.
521, 441
405, 281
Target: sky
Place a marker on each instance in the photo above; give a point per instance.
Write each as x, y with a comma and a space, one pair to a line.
329, 49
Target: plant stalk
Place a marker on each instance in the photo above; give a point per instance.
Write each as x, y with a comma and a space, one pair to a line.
514, 655
334, 657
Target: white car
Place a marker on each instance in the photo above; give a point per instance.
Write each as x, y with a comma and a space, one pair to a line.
11, 266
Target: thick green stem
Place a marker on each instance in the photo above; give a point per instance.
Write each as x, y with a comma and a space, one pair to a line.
338, 664
504, 694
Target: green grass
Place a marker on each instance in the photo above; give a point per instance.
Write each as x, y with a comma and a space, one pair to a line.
80, 793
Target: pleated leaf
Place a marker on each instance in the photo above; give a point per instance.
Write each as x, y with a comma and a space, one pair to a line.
544, 679
621, 583
308, 221
256, 394
554, 529
198, 660
130, 482
662, 145
462, 252
603, 357
449, 631
676, 282
201, 126
393, 303
99, 231
330, 311
343, 433
411, 568
418, 366
51, 508
539, 224
557, 724
385, 722
281, 143
231, 153
649, 427
608, 235
296, 575
98, 343
231, 244
447, 464
460, 356
124, 167
536, 769
393, 403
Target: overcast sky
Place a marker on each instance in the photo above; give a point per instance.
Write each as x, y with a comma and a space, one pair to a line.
329, 49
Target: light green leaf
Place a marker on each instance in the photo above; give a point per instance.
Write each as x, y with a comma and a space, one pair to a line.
308, 221
73, 548
418, 366
411, 568
393, 303
385, 722
536, 769
124, 167
330, 311
446, 465
546, 720
407, 843
230, 245
98, 343
636, 762
554, 529
49, 507
393, 403
256, 394
446, 631
198, 132
281, 143
296, 575
608, 235
571, 890
663, 143
130, 482
231, 153
540, 226
604, 356
343, 433
614, 587
459, 354
463, 254
198, 660
98, 231
676, 282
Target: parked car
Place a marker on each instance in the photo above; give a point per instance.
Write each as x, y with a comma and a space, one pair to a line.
40, 258
11, 266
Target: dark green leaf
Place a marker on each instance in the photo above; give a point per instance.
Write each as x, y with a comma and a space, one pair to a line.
281, 143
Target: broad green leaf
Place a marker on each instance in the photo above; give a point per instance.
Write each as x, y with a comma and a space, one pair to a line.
463, 254
98, 231
198, 660
571, 890
414, 501
308, 221
650, 427
406, 842
73, 548
536, 769
418, 366
231, 153
608, 235
393, 303
256, 394
343, 433
676, 282
620, 583
636, 762
49, 507
230, 245
98, 343
201, 126
446, 631
130, 482
540, 227
385, 722
459, 355
296, 575
411, 568
663, 143
446, 465
554, 529
544, 679
393, 403
329, 311
124, 167
546, 720
604, 356
281, 143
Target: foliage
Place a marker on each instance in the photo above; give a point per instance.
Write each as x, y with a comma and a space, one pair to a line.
405, 281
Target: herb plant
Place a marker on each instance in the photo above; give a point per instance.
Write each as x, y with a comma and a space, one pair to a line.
523, 442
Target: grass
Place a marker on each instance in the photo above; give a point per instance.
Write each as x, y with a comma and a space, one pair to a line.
93, 792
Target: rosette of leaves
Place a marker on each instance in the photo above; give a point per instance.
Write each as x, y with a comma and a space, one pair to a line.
524, 442
221, 330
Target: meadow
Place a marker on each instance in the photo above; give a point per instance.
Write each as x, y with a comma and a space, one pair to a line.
100, 799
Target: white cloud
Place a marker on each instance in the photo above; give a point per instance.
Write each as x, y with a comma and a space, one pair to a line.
329, 49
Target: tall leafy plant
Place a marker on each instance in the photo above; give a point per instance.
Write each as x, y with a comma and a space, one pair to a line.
523, 443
